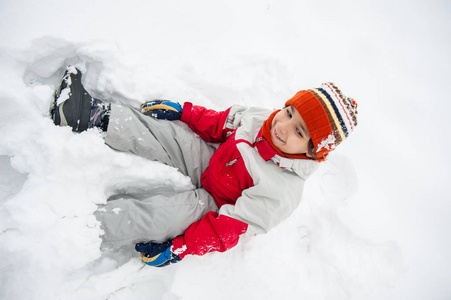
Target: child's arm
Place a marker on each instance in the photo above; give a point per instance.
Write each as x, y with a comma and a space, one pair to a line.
259, 209
214, 232
210, 125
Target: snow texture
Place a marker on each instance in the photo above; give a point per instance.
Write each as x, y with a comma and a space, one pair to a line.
374, 219
327, 143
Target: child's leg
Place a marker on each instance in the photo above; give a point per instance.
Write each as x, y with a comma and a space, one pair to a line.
132, 219
158, 218
169, 142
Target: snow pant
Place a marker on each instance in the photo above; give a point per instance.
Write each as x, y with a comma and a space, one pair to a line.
128, 219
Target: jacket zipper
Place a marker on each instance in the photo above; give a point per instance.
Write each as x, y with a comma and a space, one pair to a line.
226, 169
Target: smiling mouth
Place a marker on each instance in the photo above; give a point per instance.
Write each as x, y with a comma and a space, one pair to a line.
277, 136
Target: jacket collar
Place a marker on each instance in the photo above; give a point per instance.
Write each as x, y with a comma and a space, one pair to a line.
264, 148
302, 167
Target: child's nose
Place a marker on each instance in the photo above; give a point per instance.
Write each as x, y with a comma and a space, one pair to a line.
283, 128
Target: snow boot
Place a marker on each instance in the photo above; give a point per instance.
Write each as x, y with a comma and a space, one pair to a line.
74, 107
100, 114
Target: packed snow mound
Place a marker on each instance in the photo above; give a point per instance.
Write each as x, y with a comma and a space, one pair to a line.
53, 180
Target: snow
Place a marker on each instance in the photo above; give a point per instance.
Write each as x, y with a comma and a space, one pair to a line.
373, 221
117, 210
327, 143
179, 251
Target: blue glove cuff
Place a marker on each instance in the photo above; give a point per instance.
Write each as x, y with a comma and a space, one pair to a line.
157, 255
157, 260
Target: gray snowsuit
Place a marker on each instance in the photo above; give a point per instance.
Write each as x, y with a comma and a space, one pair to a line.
255, 188
167, 215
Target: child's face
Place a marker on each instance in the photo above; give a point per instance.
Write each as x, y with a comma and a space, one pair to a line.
289, 132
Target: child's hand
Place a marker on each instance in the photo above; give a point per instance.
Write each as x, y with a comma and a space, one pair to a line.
162, 109
156, 254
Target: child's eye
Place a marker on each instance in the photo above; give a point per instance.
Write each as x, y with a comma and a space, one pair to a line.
299, 132
289, 113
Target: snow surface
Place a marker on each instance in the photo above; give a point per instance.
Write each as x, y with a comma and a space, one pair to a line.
374, 220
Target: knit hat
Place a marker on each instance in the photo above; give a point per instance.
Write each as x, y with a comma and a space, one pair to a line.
329, 116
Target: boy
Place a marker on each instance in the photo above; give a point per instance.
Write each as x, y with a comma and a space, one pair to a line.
252, 182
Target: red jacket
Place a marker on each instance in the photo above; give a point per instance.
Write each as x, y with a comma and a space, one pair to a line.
254, 188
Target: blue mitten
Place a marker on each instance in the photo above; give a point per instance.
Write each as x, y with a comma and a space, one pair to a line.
156, 254
162, 109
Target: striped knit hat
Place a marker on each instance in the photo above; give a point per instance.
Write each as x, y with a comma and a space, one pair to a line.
329, 116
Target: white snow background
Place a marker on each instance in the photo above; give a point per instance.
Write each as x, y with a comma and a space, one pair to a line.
375, 220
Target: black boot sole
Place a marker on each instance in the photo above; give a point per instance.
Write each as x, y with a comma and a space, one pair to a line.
72, 103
